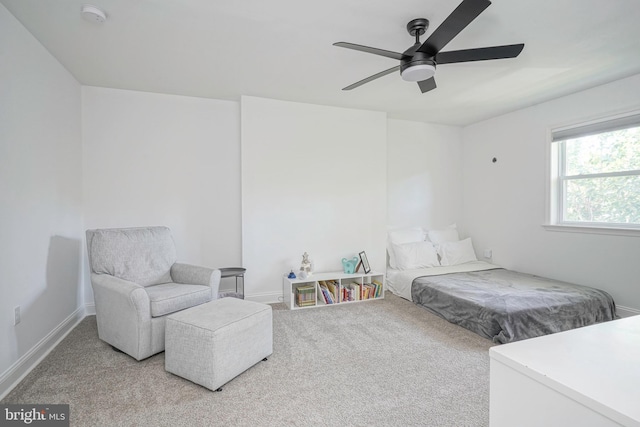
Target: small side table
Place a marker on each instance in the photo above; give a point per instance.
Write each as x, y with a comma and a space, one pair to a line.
237, 272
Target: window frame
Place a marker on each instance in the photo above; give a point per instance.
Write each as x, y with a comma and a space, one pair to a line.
557, 178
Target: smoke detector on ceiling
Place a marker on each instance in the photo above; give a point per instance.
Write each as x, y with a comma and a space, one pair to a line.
93, 14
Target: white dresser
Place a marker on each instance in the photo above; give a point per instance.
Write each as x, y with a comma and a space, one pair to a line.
584, 377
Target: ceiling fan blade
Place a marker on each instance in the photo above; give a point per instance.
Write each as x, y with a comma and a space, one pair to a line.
427, 85
367, 49
462, 16
480, 54
371, 78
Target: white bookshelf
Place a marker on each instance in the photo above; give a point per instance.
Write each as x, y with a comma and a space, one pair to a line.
353, 283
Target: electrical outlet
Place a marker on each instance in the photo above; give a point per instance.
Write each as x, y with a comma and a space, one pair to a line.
16, 314
488, 253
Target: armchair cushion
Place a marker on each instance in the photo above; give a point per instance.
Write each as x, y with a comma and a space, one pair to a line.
168, 298
140, 255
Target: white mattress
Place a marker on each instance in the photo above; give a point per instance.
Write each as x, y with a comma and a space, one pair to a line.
399, 281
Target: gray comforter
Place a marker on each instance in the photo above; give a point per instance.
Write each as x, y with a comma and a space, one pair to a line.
506, 306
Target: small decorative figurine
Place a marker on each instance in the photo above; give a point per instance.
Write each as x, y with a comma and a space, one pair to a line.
292, 275
305, 267
349, 265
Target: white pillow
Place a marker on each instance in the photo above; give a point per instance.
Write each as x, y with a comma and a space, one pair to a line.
415, 255
449, 234
401, 236
454, 253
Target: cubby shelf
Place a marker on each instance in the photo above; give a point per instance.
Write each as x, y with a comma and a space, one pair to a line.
341, 288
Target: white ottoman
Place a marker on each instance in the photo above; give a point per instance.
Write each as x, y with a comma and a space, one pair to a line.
212, 343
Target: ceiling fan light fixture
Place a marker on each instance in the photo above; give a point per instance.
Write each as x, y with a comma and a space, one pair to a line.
418, 72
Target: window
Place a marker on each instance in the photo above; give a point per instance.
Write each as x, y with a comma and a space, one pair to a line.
596, 174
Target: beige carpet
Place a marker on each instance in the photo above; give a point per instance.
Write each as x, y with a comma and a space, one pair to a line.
385, 362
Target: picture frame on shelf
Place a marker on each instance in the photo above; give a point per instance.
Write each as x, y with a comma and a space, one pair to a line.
365, 262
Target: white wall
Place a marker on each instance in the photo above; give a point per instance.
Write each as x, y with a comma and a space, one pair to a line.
505, 202
424, 174
40, 196
152, 159
313, 179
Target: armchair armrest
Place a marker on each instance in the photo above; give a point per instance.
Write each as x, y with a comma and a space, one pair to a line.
195, 275
123, 314
115, 291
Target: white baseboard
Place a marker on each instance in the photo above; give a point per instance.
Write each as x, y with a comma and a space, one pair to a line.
25, 364
265, 298
626, 311
89, 309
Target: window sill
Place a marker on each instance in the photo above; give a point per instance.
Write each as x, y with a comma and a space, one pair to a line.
612, 231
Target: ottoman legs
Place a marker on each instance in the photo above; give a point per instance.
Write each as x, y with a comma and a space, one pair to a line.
220, 388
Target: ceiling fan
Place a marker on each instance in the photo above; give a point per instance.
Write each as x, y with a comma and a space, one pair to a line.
418, 63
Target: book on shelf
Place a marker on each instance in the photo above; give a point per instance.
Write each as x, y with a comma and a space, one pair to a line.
364, 290
306, 303
325, 292
378, 285
322, 299
334, 289
353, 291
357, 290
305, 295
371, 290
328, 296
350, 291
344, 296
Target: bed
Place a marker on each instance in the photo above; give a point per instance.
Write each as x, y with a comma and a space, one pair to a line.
500, 304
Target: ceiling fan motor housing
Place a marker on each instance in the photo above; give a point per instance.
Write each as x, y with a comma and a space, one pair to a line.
418, 58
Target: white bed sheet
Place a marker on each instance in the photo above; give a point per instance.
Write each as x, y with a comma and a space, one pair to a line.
399, 281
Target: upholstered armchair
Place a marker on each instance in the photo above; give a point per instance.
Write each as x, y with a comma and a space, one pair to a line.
137, 283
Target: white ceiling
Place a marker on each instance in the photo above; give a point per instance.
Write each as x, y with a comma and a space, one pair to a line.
282, 49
